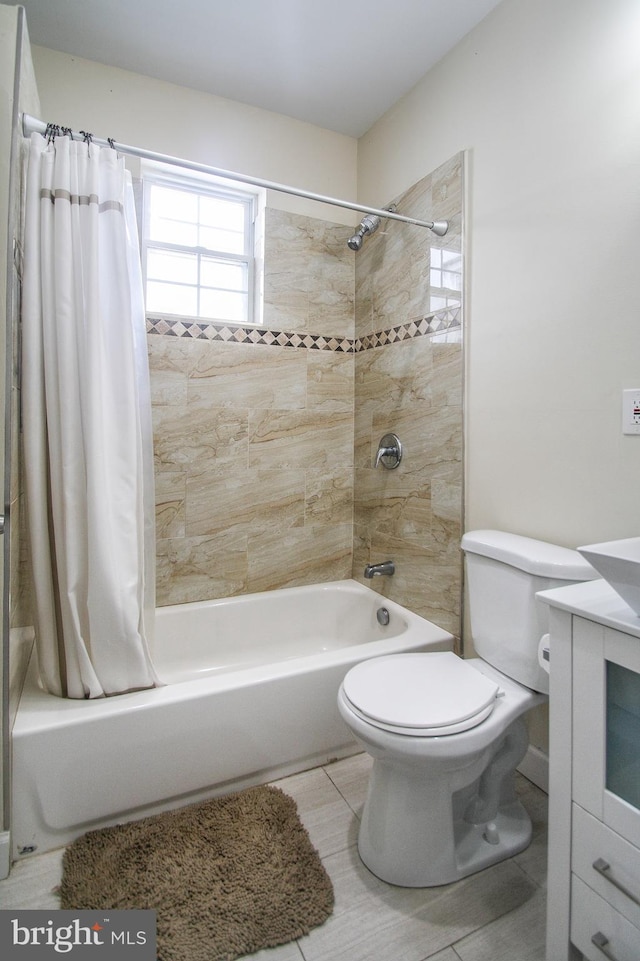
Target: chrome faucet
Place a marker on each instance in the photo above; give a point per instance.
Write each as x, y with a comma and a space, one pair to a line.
387, 567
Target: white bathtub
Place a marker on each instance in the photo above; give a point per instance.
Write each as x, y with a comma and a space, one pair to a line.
250, 696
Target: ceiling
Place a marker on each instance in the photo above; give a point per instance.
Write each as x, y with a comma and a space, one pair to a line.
339, 64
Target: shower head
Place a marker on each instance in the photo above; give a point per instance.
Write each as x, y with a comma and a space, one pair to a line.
368, 225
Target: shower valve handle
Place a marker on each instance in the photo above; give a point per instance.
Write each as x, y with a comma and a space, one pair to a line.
389, 452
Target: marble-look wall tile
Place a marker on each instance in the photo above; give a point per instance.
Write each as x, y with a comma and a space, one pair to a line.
425, 581
308, 275
264, 451
300, 556
244, 501
198, 568
330, 378
251, 376
281, 440
328, 497
195, 435
395, 376
170, 503
412, 515
254, 441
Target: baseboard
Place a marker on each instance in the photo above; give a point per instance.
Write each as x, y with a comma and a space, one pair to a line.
5, 854
535, 767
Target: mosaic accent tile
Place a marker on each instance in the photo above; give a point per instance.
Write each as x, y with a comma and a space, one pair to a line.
434, 323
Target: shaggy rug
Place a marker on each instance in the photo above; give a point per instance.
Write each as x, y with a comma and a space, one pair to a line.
226, 877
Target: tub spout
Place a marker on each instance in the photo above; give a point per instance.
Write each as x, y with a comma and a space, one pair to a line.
387, 567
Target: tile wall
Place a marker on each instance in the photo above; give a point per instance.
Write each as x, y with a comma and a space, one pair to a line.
254, 429
265, 437
409, 380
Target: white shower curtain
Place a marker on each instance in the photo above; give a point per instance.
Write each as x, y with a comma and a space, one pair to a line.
86, 423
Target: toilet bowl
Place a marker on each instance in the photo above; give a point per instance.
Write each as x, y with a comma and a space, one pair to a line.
417, 829
447, 734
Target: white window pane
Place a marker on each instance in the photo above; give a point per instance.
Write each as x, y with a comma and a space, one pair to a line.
174, 203
172, 265
436, 278
173, 216
226, 241
436, 257
172, 298
223, 305
169, 231
216, 212
220, 273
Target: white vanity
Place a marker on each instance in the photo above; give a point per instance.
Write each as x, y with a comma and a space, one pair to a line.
593, 907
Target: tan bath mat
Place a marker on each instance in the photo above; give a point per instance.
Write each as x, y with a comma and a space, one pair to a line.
227, 877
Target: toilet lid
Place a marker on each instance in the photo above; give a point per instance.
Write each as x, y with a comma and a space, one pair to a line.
426, 695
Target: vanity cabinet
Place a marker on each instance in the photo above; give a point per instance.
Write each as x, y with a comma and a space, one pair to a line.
593, 906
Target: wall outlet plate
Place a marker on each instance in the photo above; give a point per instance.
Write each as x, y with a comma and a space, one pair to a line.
631, 411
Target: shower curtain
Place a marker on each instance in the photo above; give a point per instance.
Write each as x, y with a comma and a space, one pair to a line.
86, 423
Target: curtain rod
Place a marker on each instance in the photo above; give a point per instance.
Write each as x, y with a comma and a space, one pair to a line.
32, 125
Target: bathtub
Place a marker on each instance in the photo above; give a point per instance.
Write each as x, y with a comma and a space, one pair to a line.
250, 696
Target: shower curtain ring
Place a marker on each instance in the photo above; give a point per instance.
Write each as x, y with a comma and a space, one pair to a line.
87, 137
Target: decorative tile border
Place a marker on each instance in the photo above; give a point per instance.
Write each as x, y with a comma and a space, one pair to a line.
435, 323
230, 333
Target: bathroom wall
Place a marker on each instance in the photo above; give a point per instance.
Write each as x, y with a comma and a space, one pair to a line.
253, 428
201, 127
543, 95
409, 378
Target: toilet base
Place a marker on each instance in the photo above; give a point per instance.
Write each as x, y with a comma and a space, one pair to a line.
424, 826
476, 846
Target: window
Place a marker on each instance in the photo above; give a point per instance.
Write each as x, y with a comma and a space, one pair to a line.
197, 247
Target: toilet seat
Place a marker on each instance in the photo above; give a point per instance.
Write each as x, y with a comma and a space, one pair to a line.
420, 695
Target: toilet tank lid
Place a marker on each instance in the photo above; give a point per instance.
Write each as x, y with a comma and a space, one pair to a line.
530, 555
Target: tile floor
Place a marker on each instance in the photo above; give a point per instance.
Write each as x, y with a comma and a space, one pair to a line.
495, 915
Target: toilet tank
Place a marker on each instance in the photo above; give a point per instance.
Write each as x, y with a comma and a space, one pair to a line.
504, 572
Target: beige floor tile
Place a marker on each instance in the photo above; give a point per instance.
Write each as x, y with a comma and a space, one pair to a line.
517, 936
374, 921
284, 952
351, 777
497, 915
323, 811
32, 882
533, 860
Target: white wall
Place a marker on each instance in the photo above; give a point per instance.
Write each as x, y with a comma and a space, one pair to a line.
173, 120
544, 94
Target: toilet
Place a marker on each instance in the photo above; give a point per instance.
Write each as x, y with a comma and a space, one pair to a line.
447, 734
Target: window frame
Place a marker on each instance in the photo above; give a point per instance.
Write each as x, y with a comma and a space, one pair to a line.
163, 175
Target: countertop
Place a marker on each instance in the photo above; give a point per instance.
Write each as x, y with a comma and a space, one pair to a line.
596, 601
